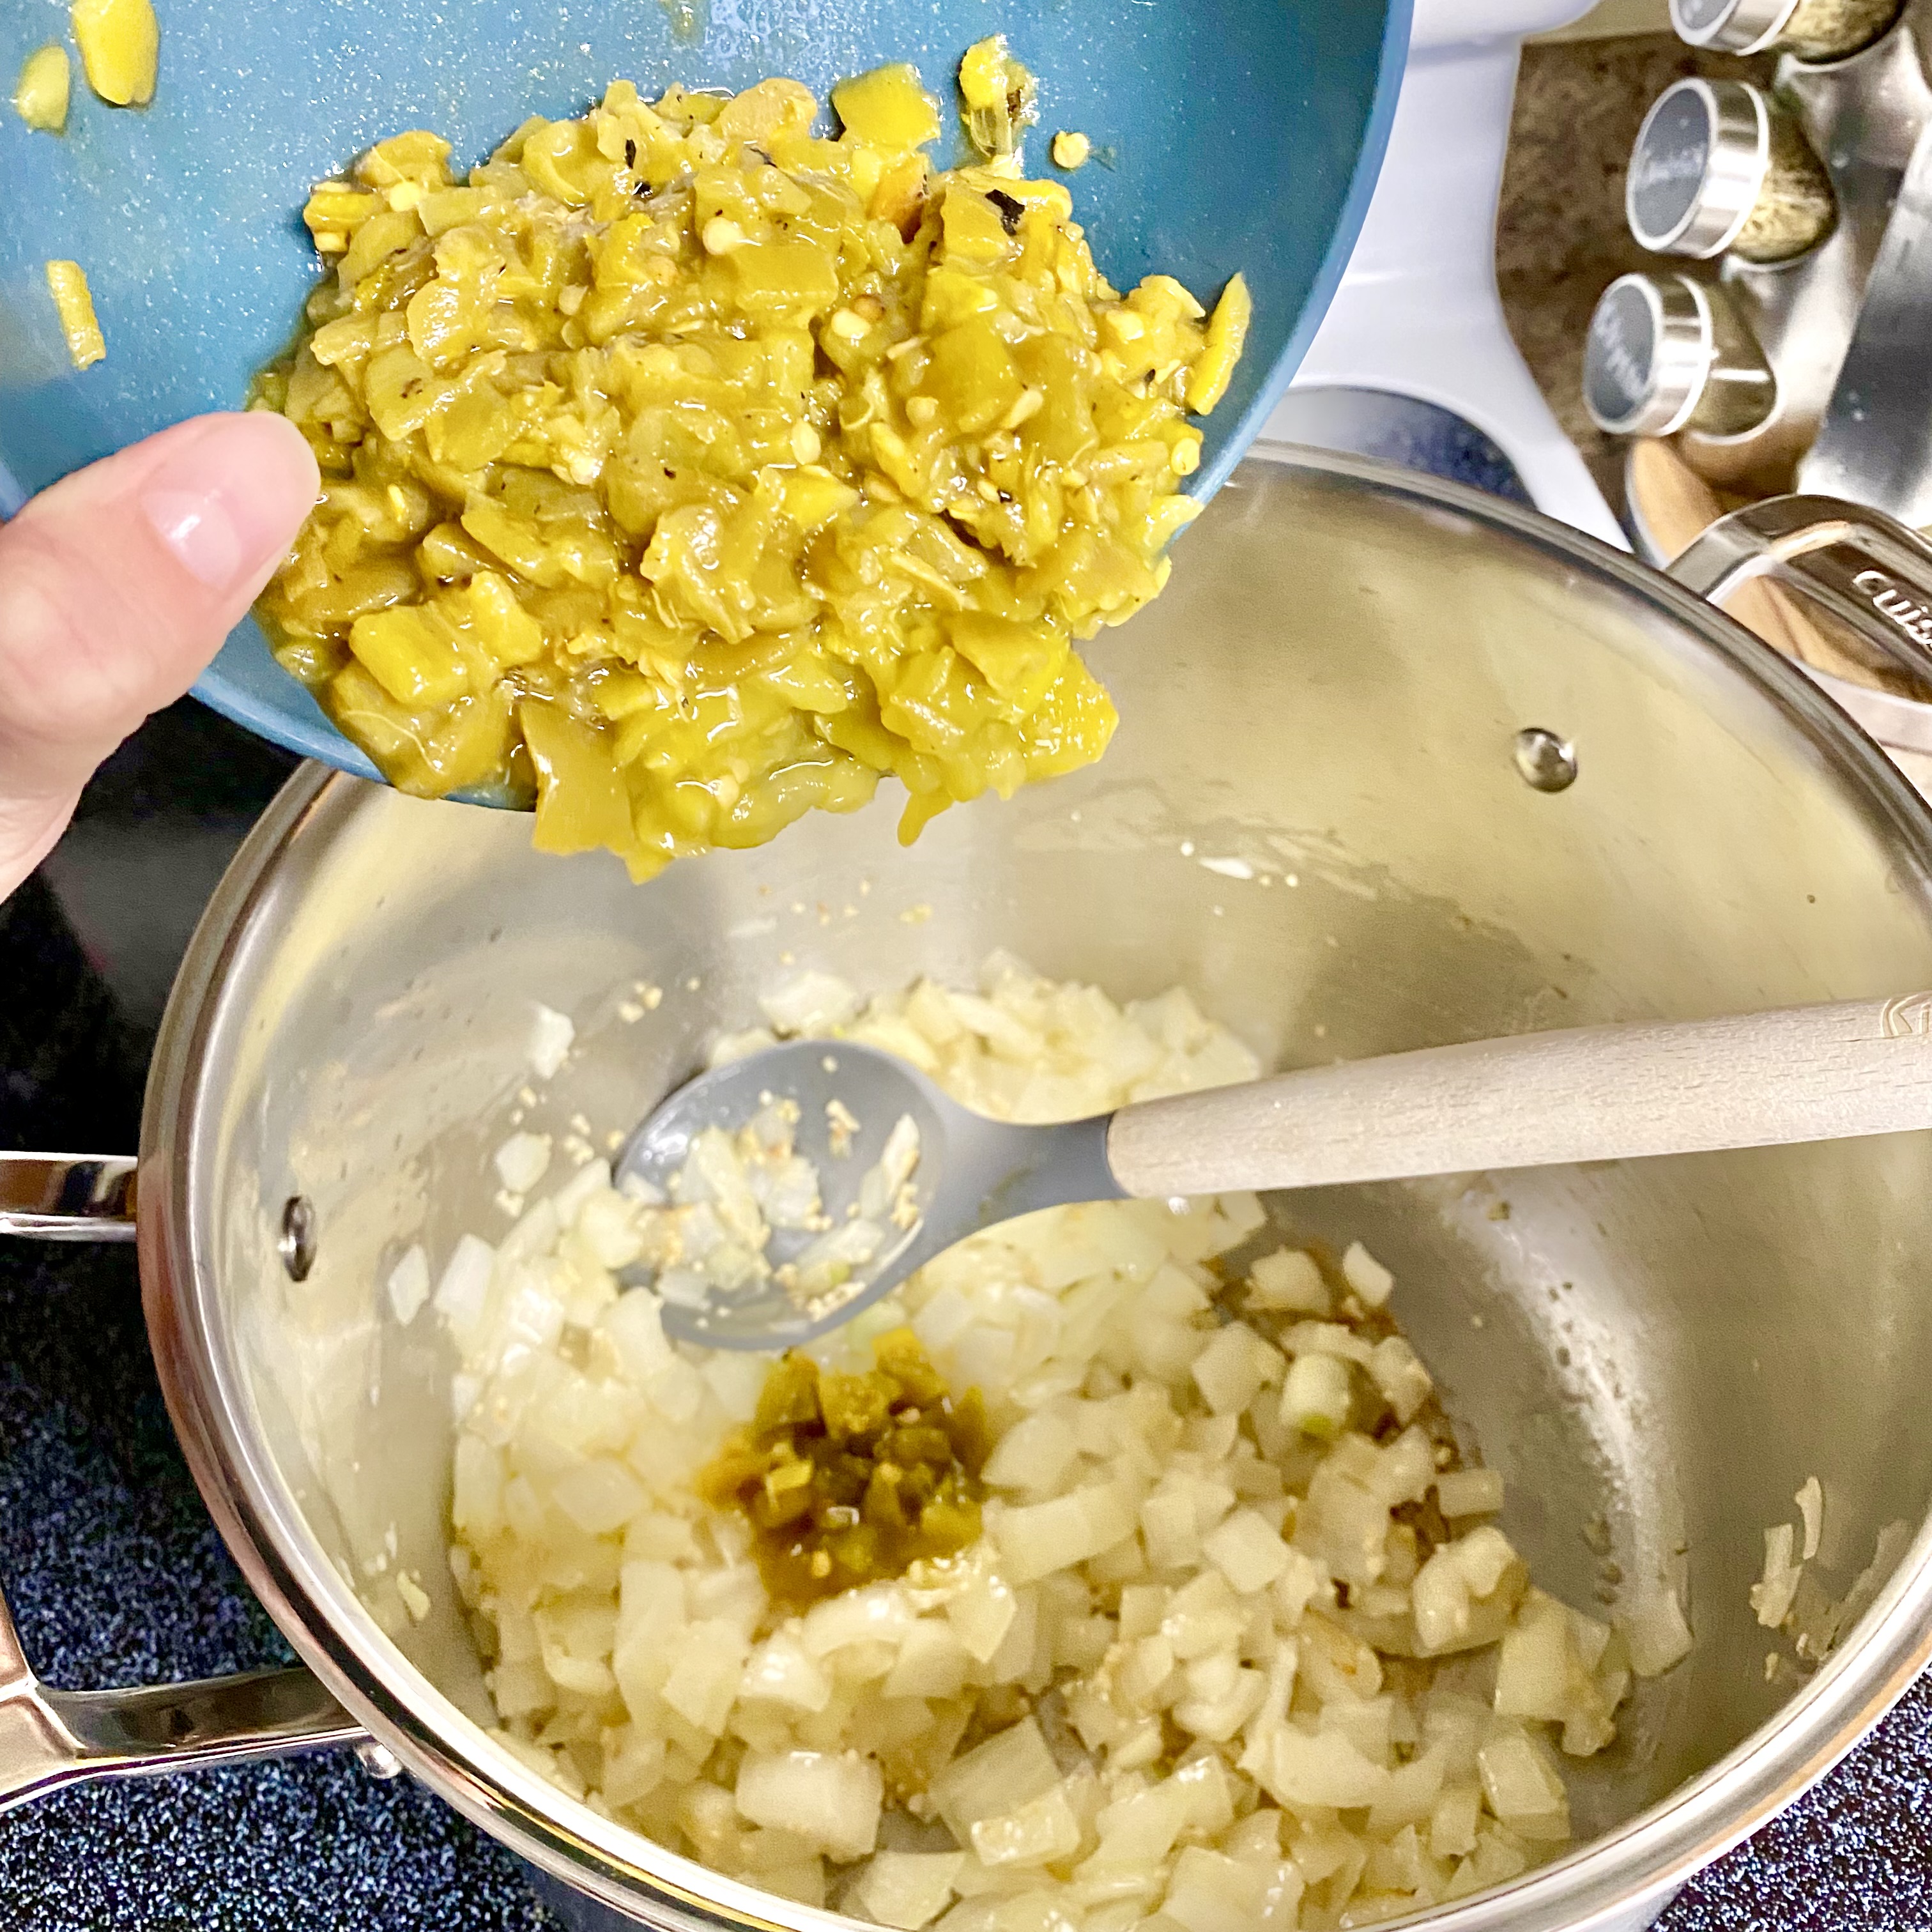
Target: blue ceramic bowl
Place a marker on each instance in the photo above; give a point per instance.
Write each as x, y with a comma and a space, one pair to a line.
1235, 134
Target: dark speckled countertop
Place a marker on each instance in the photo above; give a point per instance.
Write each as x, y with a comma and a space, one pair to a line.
114, 1572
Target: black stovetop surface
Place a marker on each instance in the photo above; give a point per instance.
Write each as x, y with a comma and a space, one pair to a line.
114, 1574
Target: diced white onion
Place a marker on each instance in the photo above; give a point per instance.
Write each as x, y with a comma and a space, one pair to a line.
1234, 1368
1034, 1454
1323, 1769
810, 1002
1656, 1632
608, 1224
1537, 1666
1290, 1280
1771, 1599
1398, 1372
982, 1614
1315, 1396
779, 1673
1365, 1275
522, 1161
592, 1178
409, 1286
1810, 1501
932, 1662
1010, 1769
702, 1683
1246, 1551
1185, 1575
1036, 1833
908, 1890
829, 1799
1462, 1492
1440, 1600
599, 1496
1523, 1787
1483, 1556
552, 1034
461, 1294
1042, 1537
684, 1288
850, 1245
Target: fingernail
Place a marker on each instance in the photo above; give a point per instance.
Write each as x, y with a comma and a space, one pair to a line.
227, 502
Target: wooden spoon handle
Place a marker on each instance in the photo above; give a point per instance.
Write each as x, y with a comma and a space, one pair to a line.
1608, 1093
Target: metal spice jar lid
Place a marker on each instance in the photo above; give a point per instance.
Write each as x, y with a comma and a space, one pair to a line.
1813, 30
1665, 353
1718, 165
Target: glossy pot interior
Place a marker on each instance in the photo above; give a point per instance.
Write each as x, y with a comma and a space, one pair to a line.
1312, 816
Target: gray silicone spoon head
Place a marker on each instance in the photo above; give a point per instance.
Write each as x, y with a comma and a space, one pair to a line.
972, 1172
1588, 1094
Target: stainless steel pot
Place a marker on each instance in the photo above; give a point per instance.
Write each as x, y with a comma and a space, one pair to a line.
1398, 765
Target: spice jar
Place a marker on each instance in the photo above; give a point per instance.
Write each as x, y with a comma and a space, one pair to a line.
1665, 353
1813, 30
1719, 166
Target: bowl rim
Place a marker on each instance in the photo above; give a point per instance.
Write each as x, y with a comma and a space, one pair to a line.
1610, 1883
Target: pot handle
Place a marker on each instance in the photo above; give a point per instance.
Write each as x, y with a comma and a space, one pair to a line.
68, 1197
1868, 570
48, 1738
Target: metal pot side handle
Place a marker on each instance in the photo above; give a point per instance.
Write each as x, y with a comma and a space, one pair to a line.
1870, 571
48, 1738
68, 1197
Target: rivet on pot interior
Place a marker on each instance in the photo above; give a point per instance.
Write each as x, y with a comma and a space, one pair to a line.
1546, 762
297, 1244
378, 1760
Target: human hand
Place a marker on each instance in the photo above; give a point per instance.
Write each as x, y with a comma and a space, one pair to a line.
117, 586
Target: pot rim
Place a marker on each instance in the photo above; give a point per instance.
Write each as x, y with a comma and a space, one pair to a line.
1599, 1884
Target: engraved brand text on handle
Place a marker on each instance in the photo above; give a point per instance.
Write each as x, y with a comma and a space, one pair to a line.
1899, 607
1906, 1014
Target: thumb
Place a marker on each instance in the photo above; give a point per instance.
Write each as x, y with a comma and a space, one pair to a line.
117, 586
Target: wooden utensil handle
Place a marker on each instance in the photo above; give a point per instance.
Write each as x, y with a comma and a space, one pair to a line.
1610, 1092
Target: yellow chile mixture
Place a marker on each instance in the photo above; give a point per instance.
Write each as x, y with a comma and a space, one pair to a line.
847, 1478
40, 96
685, 470
120, 44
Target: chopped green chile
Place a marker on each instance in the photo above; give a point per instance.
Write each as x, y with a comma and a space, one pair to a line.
851, 1478
685, 471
